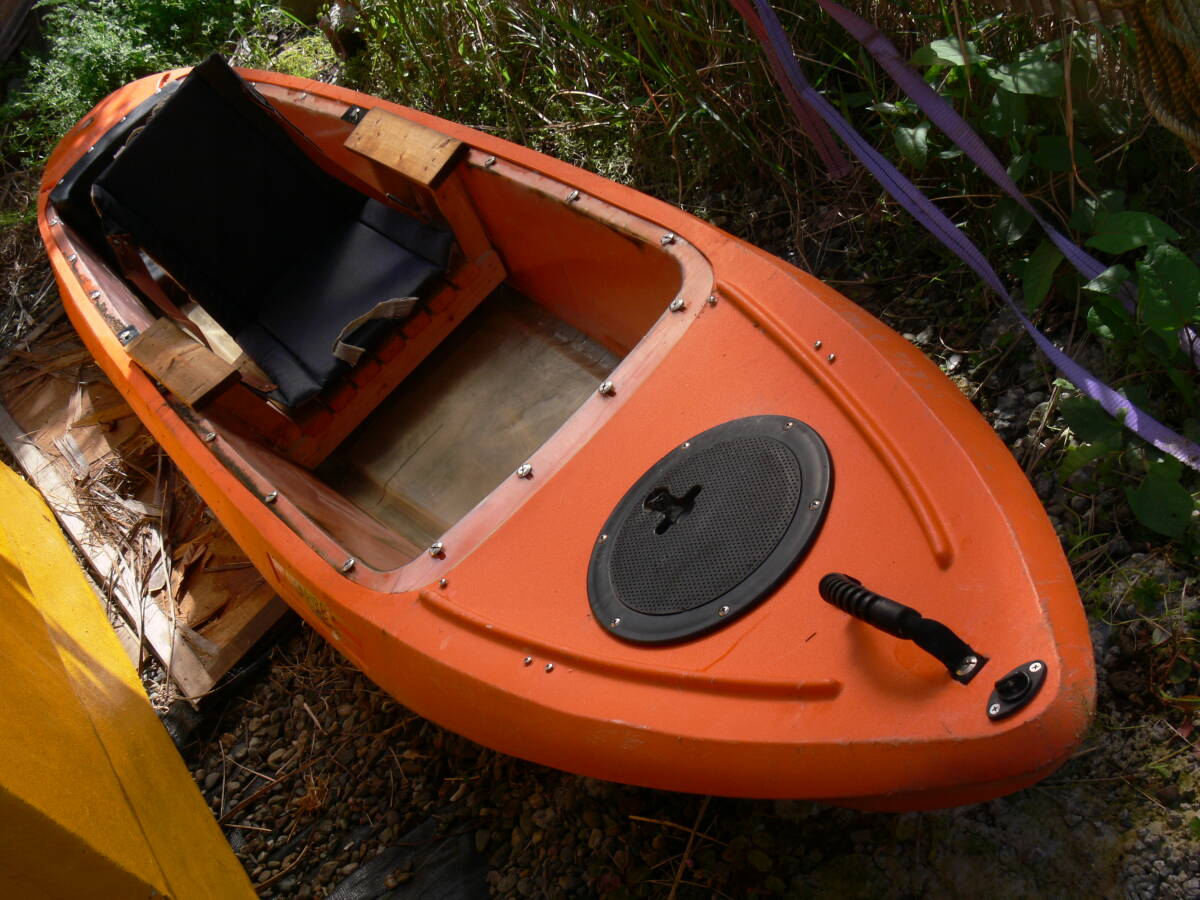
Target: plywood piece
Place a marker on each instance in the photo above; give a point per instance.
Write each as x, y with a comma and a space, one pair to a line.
493, 393
416, 152
190, 371
97, 467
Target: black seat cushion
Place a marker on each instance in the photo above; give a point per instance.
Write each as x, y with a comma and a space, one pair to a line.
282, 254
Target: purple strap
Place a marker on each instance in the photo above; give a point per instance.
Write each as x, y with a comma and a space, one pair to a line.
783, 61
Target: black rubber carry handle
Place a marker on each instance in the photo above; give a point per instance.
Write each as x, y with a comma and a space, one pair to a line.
936, 639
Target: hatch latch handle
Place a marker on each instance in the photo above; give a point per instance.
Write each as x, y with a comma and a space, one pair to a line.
936, 639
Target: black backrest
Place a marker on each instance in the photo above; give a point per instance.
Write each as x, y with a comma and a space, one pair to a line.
216, 191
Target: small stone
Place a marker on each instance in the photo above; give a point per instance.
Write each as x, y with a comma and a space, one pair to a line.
211, 779
277, 757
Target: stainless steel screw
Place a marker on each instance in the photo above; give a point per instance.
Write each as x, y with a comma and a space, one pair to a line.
686, 444
668, 238
209, 437
831, 357
712, 300
723, 611
615, 622
788, 426
524, 470
549, 667
815, 504
994, 709
606, 389
677, 305
1035, 667
271, 497
72, 258
437, 548
528, 660
490, 161
573, 196
442, 582
967, 667
54, 221
348, 565
95, 295
603, 538
816, 345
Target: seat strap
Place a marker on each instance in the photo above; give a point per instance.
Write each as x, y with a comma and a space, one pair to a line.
133, 267
396, 308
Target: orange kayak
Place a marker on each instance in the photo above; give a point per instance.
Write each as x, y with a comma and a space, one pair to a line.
561, 467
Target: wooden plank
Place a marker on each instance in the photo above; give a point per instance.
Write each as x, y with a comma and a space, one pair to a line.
191, 372
110, 569
413, 150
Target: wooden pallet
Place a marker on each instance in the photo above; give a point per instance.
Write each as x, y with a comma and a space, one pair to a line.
174, 573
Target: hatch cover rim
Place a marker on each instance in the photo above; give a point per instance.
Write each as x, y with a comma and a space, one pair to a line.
816, 474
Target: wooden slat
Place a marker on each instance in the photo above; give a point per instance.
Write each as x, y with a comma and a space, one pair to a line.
191, 372
413, 150
167, 641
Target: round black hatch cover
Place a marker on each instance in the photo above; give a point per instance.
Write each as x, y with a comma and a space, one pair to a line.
710, 530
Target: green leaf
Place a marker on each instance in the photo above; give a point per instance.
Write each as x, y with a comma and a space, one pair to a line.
1194, 827
1168, 288
1110, 321
1039, 77
1088, 421
1083, 216
1019, 166
1006, 115
1039, 273
948, 52
1054, 153
1162, 505
913, 144
1109, 281
1122, 231
1010, 220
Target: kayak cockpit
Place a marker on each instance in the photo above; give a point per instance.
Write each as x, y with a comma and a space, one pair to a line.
368, 317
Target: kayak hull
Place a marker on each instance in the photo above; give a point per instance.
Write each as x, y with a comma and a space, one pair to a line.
493, 636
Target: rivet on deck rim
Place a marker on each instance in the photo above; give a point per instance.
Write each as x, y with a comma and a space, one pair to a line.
442, 582
816, 345
94, 295
489, 162
349, 564
831, 357
668, 238
723, 611
437, 548
209, 437
549, 667
712, 300
573, 196
72, 258
53, 222
527, 660
271, 497
524, 470
677, 304
607, 388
